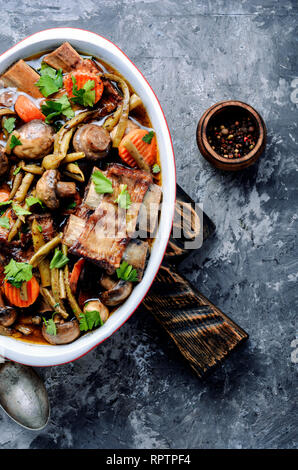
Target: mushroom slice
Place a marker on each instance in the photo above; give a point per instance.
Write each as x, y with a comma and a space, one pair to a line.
66, 333
117, 294
8, 316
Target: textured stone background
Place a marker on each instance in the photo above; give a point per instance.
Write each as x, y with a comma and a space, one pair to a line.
135, 390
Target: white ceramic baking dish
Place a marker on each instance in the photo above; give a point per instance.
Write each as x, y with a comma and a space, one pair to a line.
96, 45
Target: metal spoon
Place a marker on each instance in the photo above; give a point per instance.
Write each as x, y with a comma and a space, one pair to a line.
23, 396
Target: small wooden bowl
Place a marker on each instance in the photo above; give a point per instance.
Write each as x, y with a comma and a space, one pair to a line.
228, 108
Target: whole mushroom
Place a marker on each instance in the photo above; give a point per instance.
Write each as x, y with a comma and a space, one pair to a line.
93, 140
49, 189
36, 139
65, 333
97, 305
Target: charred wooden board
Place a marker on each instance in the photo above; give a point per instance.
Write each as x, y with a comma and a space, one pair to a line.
203, 333
191, 228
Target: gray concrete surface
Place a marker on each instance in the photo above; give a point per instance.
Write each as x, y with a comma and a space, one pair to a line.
135, 390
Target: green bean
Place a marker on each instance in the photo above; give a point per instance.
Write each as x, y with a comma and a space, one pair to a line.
34, 169
45, 250
23, 188
44, 266
74, 171
16, 182
55, 283
121, 115
14, 229
52, 302
73, 157
71, 299
52, 161
134, 101
62, 285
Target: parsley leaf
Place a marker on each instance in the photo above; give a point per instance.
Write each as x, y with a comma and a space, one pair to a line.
126, 272
59, 260
52, 109
4, 222
5, 203
39, 228
3, 206
123, 198
17, 273
51, 327
156, 168
148, 137
31, 200
9, 124
19, 211
50, 81
84, 96
14, 141
89, 320
101, 183
72, 205
17, 170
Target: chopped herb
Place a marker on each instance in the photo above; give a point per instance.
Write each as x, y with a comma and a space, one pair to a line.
148, 137
17, 273
4, 222
156, 168
101, 183
57, 305
126, 272
17, 170
51, 328
31, 200
19, 211
59, 260
39, 228
3, 206
50, 81
123, 199
14, 141
9, 124
84, 96
89, 320
5, 203
72, 205
52, 109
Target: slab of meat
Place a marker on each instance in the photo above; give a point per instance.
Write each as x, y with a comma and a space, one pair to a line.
107, 232
22, 77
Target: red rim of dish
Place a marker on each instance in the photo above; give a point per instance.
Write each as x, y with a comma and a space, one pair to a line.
175, 172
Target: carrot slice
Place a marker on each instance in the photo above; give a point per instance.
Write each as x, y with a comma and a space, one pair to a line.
75, 274
13, 293
148, 151
4, 194
81, 79
27, 110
